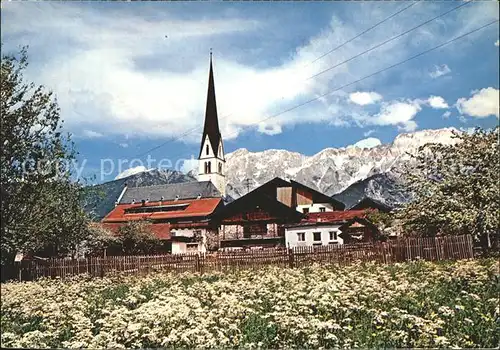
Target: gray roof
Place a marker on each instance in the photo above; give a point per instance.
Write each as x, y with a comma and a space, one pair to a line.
185, 190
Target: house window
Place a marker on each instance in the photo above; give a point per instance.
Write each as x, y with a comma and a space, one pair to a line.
322, 209
317, 238
192, 247
220, 150
207, 150
333, 235
156, 208
220, 168
305, 210
259, 229
301, 236
206, 167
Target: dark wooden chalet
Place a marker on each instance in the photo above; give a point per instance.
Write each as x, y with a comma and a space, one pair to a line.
299, 196
255, 219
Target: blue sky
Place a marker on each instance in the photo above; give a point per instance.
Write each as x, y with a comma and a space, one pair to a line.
131, 76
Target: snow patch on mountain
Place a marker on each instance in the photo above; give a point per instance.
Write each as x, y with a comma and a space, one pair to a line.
132, 171
331, 170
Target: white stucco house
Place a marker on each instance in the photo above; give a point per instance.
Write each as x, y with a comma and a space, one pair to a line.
331, 228
312, 234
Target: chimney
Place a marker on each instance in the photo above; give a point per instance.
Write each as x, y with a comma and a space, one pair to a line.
121, 195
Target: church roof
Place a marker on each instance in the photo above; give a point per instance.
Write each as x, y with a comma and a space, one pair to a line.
211, 128
180, 191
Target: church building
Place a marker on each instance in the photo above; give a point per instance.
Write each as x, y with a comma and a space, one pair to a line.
180, 214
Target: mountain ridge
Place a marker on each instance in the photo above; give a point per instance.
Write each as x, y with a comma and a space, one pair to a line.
330, 170
348, 173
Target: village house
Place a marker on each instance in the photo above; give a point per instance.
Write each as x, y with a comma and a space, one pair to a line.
254, 220
332, 228
258, 218
178, 214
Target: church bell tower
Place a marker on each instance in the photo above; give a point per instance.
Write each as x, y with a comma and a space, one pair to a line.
212, 162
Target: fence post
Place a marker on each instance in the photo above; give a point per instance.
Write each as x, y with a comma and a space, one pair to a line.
102, 266
88, 265
291, 258
198, 269
19, 271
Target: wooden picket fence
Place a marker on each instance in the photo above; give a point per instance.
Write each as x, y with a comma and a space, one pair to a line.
400, 250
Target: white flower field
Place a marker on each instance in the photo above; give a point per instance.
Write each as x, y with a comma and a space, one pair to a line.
418, 304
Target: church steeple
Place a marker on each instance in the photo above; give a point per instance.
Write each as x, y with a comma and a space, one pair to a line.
211, 128
212, 162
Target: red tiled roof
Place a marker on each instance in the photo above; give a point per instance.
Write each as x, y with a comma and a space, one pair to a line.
196, 208
161, 231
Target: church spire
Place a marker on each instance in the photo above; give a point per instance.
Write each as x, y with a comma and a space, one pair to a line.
211, 128
211, 161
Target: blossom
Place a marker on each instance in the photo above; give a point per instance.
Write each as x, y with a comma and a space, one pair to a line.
418, 304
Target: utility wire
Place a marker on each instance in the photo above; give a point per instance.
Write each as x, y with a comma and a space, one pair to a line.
389, 40
335, 66
364, 32
175, 139
372, 74
317, 59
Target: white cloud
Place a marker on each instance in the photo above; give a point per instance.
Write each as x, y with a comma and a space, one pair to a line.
368, 133
131, 171
364, 98
114, 71
439, 71
446, 114
482, 104
437, 102
269, 129
91, 134
409, 126
398, 113
189, 165
497, 43
124, 145
369, 142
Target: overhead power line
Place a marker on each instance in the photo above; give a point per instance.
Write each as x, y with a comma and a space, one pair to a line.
389, 40
370, 75
317, 59
337, 65
175, 138
364, 32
